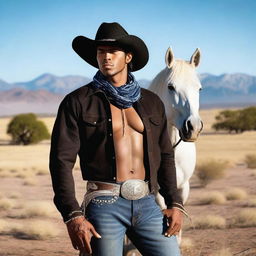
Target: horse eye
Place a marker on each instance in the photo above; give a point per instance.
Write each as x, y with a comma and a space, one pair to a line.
171, 87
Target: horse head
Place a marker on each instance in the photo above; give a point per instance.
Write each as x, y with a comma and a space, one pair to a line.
178, 86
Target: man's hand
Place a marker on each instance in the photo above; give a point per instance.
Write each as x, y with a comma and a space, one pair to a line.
175, 220
80, 232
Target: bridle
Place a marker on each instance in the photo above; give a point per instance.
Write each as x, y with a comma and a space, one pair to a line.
179, 141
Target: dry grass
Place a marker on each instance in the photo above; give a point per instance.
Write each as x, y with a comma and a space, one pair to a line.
209, 222
35, 230
245, 218
210, 170
186, 243
6, 174
3, 226
212, 197
223, 252
37, 209
250, 202
30, 181
236, 194
14, 195
250, 160
42, 172
6, 204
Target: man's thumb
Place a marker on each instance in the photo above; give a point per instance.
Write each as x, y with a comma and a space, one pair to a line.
95, 233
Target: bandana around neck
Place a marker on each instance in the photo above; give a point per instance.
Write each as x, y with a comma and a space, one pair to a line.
123, 96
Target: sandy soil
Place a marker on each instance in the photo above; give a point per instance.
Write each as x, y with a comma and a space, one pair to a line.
205, 242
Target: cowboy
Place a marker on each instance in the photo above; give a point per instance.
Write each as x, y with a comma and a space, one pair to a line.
119, 131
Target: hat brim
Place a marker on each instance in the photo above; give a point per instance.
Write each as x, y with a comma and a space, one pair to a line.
87, 49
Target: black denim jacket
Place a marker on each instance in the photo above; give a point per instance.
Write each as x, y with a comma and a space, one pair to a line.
83, 126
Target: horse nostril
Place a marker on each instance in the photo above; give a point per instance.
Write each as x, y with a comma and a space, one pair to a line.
189, 126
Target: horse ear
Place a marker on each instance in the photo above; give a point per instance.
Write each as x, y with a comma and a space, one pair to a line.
195, 59
169, 58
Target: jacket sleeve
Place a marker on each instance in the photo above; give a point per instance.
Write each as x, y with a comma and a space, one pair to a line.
65, 144
167, 171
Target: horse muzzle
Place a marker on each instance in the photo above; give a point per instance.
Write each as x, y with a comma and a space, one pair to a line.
190, 131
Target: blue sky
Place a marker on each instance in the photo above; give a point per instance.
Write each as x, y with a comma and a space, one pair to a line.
36, 36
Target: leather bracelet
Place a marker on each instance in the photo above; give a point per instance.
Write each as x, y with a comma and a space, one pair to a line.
66, 222
75, 212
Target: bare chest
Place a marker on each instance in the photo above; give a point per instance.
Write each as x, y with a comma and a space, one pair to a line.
126, 118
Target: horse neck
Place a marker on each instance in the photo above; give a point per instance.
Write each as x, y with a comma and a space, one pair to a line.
173, 133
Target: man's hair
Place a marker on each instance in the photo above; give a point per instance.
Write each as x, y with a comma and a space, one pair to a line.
130, 66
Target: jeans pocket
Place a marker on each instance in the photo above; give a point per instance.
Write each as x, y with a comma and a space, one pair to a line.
104, 200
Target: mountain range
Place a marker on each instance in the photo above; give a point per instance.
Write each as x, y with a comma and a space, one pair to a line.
44, 93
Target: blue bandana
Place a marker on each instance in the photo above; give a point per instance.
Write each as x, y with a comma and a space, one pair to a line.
123, 96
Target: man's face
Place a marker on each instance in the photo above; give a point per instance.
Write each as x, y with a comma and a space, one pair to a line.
112, 61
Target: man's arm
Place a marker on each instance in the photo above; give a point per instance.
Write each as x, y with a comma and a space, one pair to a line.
65, 144
168, 182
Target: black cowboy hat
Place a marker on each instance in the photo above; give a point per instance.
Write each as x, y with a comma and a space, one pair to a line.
115, 35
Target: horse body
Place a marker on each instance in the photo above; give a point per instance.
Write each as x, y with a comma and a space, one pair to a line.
178, 86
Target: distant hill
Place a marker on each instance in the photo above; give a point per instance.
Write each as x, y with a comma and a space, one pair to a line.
226, 90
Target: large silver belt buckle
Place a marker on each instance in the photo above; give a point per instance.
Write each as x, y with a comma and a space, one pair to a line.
134, 189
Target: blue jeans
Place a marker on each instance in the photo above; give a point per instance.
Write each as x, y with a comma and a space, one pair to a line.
142, 221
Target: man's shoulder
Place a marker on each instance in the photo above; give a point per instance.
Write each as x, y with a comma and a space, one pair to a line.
79, 92
149, 95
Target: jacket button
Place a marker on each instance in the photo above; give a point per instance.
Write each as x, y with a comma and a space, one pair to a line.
114, 178
95, 122
113, 157
110, 134
109, 119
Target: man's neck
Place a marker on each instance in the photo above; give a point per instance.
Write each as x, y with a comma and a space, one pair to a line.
119, 79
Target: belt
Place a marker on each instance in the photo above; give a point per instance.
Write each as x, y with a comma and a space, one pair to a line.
132, 189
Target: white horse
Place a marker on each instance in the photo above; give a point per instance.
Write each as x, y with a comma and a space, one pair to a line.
178, 86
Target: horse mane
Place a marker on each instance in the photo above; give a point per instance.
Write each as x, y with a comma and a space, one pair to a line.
181, 72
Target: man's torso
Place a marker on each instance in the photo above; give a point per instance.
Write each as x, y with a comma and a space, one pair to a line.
128, 143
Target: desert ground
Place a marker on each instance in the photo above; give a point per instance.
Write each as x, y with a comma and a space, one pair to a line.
30, 225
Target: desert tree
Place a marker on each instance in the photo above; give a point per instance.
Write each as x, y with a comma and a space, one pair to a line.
26, 129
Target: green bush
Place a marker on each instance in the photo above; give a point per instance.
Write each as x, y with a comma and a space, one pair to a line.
210, 170
26, 129
236, 120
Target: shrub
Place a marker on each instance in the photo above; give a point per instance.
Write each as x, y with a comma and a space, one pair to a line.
236, 194
3, 226
26, 129
213, 197
210, 221
14, 195
210, 170
245, 218
223, 252
5, 204
236, 120
37, 209
186, 243
42, 172
250, 203
250, 160
29, 181
36, 230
